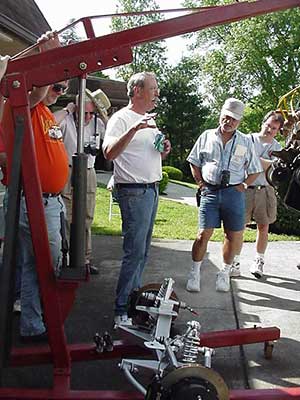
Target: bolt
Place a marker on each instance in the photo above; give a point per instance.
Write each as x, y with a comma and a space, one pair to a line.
16, 84
83, 66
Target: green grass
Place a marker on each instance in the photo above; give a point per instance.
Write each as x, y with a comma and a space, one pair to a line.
173, 221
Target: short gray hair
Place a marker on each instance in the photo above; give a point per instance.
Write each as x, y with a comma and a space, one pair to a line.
85, 100
138, 80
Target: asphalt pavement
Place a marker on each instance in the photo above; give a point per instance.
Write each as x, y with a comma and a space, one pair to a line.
272, 301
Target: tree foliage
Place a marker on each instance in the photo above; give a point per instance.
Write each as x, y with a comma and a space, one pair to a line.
70, 35
256, 59
149, 56
181, 113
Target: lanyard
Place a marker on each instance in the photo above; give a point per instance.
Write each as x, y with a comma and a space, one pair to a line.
231, 151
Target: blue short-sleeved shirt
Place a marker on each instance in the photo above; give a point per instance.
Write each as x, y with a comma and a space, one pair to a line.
238, 156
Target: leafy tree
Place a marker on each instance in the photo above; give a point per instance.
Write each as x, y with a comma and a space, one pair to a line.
70, 35
256, 59
181, 113
149, 56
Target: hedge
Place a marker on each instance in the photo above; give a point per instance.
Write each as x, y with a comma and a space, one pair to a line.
174, 173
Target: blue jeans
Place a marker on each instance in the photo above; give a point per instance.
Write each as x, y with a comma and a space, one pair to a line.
227, 205
31, 322
138, 209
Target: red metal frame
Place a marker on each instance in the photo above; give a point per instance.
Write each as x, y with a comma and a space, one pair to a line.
75, 61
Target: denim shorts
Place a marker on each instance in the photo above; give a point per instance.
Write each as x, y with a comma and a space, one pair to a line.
222, 205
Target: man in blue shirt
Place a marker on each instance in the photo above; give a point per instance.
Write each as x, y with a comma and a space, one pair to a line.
261, 201
223, 163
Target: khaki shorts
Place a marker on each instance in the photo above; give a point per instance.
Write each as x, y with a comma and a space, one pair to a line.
261, 205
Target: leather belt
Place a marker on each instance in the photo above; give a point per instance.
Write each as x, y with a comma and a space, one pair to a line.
258, 187
136, 185
45, 195
218, 187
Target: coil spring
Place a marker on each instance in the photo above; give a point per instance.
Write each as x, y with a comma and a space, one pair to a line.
161, 293
191, 343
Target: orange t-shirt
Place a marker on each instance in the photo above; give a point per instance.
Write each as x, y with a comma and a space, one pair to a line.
51, 154
52, 159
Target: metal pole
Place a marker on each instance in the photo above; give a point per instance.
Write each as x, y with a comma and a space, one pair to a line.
79, 184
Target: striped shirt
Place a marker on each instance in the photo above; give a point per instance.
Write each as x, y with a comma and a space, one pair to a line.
237, 156
264, 150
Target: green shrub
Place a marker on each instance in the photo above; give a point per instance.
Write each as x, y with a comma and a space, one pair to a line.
164, 182
287, 220
174, 173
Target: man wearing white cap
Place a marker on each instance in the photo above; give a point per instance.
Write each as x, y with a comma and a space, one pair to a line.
223, 163
96, 105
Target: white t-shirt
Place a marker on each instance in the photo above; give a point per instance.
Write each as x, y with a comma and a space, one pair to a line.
139, 162
69, 132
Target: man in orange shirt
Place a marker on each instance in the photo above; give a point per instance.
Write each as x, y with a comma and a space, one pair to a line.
52, 162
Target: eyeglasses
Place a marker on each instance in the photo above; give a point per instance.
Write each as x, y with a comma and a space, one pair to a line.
57, 87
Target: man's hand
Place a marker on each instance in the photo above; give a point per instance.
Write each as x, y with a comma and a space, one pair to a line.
3, 65
143, 123
70, 107
167, 148
48, 40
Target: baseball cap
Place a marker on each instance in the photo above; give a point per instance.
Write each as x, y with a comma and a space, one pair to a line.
233, 108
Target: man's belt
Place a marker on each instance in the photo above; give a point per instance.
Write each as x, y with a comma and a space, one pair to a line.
258, 187
45, 195
136, 185
218, 187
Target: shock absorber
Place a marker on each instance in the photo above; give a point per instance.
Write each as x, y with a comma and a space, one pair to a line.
162, 292
191, 343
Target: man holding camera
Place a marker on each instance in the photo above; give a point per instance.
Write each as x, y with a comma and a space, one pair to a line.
223, 163
95, 103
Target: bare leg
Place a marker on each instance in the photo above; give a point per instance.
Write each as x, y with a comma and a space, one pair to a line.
262, 238
200, 244
232, 244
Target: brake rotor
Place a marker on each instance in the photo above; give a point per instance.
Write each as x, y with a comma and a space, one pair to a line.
191, 382
136, 298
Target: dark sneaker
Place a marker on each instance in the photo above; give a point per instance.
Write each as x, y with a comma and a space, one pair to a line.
43, 337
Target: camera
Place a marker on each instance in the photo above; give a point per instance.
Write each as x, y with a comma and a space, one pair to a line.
91, 150
225, 178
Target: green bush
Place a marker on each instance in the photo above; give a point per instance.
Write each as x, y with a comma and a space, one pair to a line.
174, 173
287, 220
164, 182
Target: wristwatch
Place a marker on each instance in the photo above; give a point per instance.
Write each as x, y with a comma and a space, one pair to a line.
245, 185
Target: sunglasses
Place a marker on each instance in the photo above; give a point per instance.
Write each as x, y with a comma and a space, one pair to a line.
57, 87
90, 112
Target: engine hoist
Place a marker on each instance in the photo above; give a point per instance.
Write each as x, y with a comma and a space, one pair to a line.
178, 371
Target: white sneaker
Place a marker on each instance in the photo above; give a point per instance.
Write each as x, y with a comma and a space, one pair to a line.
193, 283
122, 320
223, 281
257, 268
17, 306
235, 270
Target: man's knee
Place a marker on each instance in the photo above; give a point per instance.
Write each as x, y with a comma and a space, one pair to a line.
233, 236
264, 228
203, 236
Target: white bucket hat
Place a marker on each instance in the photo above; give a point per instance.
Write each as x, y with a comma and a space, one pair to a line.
100, 100
233, 108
